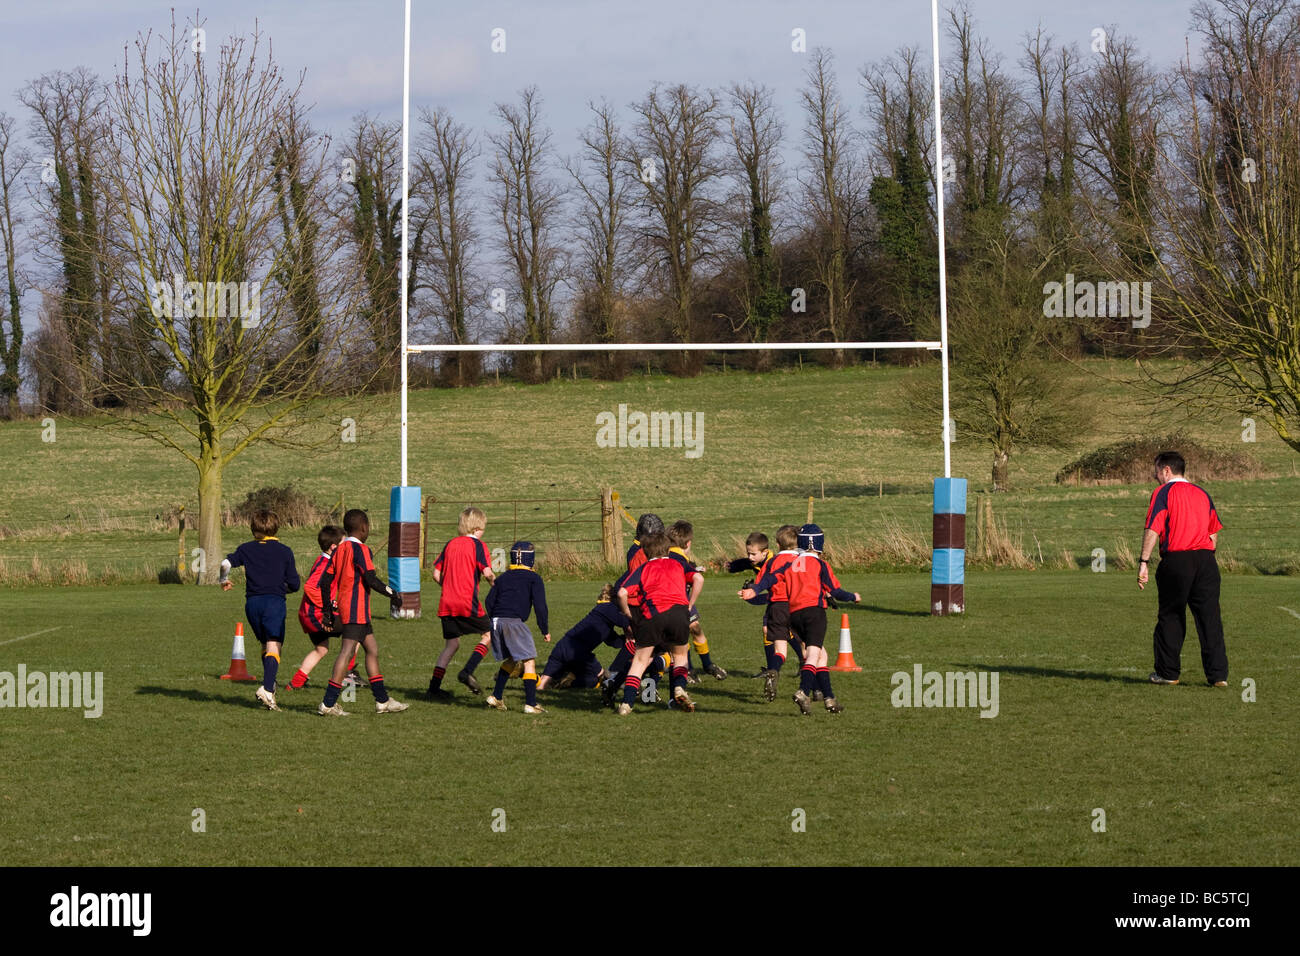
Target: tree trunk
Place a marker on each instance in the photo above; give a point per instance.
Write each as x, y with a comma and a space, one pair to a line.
210, 512
1000, 468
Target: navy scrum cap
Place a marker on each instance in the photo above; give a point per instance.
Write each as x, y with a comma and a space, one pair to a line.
649, 524
522, 553
812, 538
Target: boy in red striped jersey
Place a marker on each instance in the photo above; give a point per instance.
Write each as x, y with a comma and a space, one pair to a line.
354, 578
463, 560
316, 612
808, 580
646, 525
776, 620
662, 619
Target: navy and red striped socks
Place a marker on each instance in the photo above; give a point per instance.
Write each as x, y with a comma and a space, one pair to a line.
332, 691
377, 688
824, 681
631, 688
435, 683
475, 658
808, 679
678, 680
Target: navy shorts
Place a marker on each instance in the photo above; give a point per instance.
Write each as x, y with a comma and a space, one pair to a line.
568, 656
777, 621
454, 627
266, 613
809, 625
670, 628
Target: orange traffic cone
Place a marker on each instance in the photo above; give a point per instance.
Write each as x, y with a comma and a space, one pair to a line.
845, 661
238, 669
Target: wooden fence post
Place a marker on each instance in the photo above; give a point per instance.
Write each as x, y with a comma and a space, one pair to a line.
810, 509
180, 546
609, 525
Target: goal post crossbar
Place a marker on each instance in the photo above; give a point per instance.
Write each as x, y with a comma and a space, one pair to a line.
673, 346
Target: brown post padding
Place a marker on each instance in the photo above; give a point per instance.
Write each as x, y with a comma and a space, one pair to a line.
403, 539
411, 602
947, 598
950, 531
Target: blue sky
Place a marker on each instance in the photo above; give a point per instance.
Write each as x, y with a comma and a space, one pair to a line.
572, 50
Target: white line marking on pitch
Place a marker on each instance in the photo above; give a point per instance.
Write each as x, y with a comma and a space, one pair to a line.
1288, 610
15, 640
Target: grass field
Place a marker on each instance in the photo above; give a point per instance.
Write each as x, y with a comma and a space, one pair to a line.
86, 503
1185, 775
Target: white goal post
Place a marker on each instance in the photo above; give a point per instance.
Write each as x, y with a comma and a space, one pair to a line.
940, 346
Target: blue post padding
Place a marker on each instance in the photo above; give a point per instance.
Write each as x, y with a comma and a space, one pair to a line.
949, 566
404, 503
404, 575
950, 497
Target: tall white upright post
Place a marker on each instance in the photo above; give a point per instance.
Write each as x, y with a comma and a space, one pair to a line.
943, 265
406, 166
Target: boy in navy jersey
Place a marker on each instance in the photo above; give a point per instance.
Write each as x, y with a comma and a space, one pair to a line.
662, 621
514, 595
574, 659
680, 536
463, 560
354, 579
269, 574
808, 580
316, 612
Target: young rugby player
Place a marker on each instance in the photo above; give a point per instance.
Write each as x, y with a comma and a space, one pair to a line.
517, 593
269, 574
680, 536
663, 619
647, 524
573, 661
464, 559
316, 612
354, 579
808, 580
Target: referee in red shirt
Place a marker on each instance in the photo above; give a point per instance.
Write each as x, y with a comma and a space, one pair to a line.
1182, 520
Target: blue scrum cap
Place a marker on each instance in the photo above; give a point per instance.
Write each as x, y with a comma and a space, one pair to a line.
812, 538
522, 554
649, 524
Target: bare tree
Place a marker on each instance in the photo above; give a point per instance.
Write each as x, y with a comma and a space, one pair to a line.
69, 123
672, 155
1227, 222
296, 147
190, 180
528, 205
373, 166
830, 168
756, 139
1120, 110
444, 160
13, 161
604, 247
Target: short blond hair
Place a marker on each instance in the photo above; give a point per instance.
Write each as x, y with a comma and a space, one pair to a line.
471, 519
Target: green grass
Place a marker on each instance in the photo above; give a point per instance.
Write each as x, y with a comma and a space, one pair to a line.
770, 441
1186, 775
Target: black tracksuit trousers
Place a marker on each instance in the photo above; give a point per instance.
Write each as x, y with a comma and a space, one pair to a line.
1189, 579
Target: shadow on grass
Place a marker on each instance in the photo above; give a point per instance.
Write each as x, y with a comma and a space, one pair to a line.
1054, 672
876, 608
199, 697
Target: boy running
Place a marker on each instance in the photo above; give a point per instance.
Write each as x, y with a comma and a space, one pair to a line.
269, 574
354, 579
663, 619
